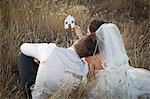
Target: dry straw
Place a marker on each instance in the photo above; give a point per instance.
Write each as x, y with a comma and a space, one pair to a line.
42, 21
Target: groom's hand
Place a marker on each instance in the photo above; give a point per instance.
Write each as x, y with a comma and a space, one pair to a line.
36, 61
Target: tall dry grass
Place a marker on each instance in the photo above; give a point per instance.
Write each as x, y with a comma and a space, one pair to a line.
42, 21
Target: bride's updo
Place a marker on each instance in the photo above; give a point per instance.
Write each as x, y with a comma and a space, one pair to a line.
94, 25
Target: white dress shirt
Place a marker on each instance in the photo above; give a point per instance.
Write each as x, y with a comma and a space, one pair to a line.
56, 64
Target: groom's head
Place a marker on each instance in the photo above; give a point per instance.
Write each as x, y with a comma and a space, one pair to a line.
86, 46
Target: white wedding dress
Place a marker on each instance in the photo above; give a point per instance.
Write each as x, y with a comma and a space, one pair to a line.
117, 80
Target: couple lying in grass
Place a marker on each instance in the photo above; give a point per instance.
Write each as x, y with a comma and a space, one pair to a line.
99, 56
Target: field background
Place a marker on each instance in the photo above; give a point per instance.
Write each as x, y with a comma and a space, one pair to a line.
42, 21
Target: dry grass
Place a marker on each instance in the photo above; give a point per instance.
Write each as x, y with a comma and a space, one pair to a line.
42, 21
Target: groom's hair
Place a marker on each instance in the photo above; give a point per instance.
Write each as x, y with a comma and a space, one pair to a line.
86, 46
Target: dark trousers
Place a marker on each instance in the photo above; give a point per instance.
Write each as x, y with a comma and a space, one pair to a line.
27, 71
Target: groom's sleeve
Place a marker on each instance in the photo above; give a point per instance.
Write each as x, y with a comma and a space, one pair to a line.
29, 49
39, 51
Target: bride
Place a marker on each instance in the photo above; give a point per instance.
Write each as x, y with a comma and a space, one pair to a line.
117, 80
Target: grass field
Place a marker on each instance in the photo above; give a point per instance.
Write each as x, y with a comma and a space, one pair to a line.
42, 21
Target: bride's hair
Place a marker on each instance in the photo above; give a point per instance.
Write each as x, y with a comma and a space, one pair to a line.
95, 24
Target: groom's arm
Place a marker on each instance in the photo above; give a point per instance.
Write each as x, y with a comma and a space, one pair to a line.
39, 51
29, 49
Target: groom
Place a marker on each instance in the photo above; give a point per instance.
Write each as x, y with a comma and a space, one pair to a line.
28, 67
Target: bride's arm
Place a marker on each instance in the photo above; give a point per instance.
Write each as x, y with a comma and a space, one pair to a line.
78, 31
